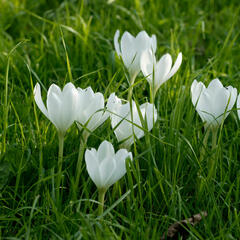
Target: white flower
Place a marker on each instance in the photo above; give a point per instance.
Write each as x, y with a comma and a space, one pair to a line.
238, 106
158, 72
214, 102
125, 126
61, 105
104, 166
90, 110
130, 49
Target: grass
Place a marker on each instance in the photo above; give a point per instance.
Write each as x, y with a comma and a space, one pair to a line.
60, 41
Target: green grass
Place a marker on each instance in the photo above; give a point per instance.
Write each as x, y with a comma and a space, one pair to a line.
60, 41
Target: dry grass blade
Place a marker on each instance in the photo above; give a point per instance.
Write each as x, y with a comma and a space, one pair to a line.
180, 228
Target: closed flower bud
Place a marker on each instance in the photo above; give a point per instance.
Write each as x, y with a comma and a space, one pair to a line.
61, 105
130, 49
213, 103
104, 166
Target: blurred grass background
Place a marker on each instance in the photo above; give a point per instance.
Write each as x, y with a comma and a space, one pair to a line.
37, 38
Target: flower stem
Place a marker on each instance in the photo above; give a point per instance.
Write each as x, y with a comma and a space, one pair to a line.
82, 147
130, 89
214, 138
213, 160
204, 146
152, 95
200, 180
60, 162
101, 195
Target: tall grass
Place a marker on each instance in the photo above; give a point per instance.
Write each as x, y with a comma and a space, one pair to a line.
60, 41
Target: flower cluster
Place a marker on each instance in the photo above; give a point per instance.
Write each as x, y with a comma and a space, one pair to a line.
129, 120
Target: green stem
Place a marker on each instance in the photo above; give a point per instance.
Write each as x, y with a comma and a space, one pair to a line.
204, 146
82, 147
214, 138
130, 89
213, 161
101, 195
200, 179
60, 162
152, 95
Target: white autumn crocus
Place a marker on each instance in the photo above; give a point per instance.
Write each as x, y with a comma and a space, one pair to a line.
90, 111
126, 125
104, 166
61, 105
213, 103
159, 72
130, 49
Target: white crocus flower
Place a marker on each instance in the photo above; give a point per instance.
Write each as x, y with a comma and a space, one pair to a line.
126, 125
90, 111
130, 49
61, 105
104, 166
61, 111
159, 72
213, 103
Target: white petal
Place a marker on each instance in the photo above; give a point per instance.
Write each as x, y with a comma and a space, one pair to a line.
204, 108
143, 41
150, 114
120, 160
175, 66
89, 105
147, 62
97, 119
120, 122
128, 49
119, 110
154, 43
84, 97
162, 69
105, 151
54, 89
38, 99
196, 90
69, 105
233, 97
112, 101
219, 104
93, 166
136, 123
54, 104
107, 171
214, 84
116, 42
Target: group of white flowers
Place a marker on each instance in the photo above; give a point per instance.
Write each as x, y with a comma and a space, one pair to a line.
128, 120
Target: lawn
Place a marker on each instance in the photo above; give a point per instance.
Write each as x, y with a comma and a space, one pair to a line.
170, 177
